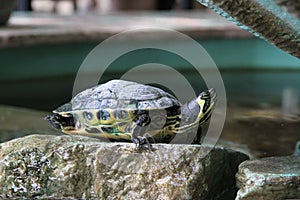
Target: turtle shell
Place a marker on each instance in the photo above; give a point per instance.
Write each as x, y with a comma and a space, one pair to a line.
120, 95
127, 111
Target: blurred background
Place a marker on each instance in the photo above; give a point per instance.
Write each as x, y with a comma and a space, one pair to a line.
83, 6
44, 42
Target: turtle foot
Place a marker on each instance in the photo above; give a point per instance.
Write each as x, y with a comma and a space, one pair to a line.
142, 142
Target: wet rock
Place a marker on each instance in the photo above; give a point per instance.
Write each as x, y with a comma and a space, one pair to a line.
269, 179
46, 166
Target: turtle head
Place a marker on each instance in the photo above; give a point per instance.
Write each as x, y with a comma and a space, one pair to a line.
206, 102
199, 109
60, 122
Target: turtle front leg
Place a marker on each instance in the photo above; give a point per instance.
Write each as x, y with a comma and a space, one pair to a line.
139, 132
141, 141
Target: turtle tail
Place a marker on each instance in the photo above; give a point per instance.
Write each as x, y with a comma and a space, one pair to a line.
60, 122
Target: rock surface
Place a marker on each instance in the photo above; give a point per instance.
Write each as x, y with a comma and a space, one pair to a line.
38, 28
269, 179
46, 166
273, 20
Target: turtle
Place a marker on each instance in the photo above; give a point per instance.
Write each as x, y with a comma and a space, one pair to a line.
127, 111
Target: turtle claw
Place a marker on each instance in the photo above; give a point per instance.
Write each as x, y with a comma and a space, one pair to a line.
142, 142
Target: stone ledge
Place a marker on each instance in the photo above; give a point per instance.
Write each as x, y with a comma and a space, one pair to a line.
32, 28
269, 178
45, 166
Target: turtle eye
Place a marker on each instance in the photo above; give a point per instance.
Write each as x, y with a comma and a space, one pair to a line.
205, 95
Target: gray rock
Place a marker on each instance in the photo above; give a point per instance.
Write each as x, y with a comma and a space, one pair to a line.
46, 166
269, 179
273, 20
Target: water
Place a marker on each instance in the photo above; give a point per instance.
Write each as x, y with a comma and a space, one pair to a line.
17, 122
254, 115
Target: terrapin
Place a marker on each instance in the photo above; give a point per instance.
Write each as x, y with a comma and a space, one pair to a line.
127, 111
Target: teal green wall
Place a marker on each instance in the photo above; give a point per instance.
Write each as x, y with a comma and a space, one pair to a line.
65, 59
42, 76
249, 53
